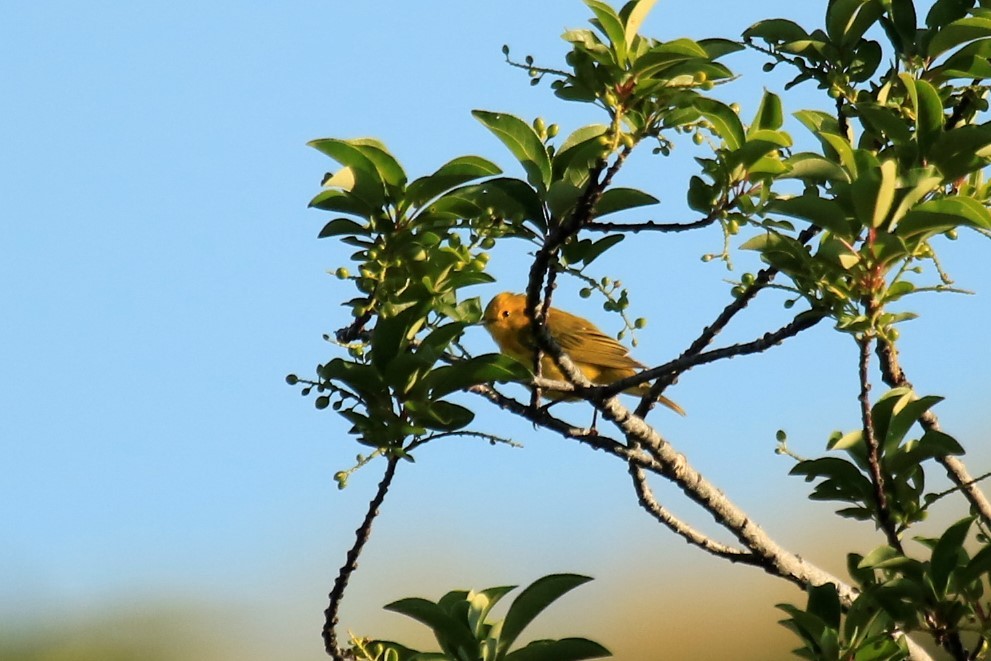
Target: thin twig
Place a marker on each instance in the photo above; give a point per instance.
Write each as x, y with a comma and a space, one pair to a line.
651, 226
689, 360
679, 527
884, 519
362, 534
708, 334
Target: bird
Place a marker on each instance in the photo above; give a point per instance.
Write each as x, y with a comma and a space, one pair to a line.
602, 359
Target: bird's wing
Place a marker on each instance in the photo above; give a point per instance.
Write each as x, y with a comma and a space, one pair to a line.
588, 344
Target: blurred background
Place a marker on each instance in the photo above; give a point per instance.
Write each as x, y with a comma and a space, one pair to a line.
165, 495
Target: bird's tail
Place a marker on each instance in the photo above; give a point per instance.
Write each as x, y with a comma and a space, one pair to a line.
671, 405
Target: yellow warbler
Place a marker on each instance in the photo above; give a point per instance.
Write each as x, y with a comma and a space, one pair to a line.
601, 359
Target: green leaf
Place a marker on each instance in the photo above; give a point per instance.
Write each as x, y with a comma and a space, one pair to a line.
841, 147
389, 170
884, 122
847, 20
885, 192
658, 62
502, 197
946, 11
532, 601
905, 23
367, 184
523, 142
345, 202
978, 566
562, 197
920, 183
725, 122
440, 338
814, 168
942, 444
612, 27
486, 368
454, 173
716, 48
963, 150
959, 32
392, 334
769, 113
903, 418
620, 199
937, 216
824, 212
340, 226
821, 124
578, 153
600, 246
451, 634
565, 649
440, 415
481, 603
824, 602
882, 557
776, 31
929, 119
637, 15
948, 554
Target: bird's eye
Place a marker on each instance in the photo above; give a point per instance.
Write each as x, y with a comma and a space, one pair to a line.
505, 314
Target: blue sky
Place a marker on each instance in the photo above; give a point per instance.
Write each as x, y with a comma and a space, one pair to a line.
161, 274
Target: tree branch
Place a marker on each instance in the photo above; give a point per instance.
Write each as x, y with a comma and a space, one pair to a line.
664, 460
763, 278
679, 527
873, 450
893, 375
362, 534
688, 360
650, 226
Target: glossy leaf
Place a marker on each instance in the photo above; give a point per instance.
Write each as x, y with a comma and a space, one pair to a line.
769, 113
392, 334
716, 48
367, 184
824, 212
620, 199
638, 12
454, 173
532, 601
847, 20
337, 200
340, 226
523, 142
959, 32
944, 214
565, 649
389, 170
486, 368
578, 153
948, 554
451, 634
612, 27
944, 12
440, 415
726, 122
813, 167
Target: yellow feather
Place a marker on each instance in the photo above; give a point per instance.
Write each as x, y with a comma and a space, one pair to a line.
601, 358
